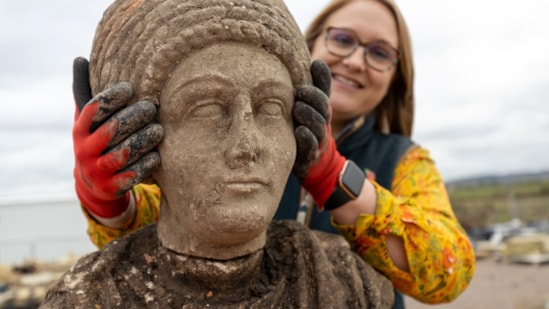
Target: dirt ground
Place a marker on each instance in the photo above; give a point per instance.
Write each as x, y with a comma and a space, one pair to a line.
501, 286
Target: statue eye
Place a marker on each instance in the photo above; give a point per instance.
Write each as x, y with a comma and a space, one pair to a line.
270, 108
208, 109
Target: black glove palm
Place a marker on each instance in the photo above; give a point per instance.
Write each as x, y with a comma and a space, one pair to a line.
311, 114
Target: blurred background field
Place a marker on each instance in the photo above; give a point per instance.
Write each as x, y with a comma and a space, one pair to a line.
481, 202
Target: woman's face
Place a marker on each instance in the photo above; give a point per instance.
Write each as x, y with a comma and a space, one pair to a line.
229, 145
357, 88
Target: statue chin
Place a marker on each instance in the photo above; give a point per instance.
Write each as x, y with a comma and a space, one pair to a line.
225, 240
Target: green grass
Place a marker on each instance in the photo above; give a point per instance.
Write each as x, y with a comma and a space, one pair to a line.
484, 204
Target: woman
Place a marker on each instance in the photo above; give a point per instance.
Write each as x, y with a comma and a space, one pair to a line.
399, 219
367, 47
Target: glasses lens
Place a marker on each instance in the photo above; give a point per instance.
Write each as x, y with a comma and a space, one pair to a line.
380, 55
340, 42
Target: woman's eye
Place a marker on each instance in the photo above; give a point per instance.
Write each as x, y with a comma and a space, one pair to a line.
378, 52
344, 39
271, 108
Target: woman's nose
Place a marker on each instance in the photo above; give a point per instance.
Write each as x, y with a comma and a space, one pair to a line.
356, 60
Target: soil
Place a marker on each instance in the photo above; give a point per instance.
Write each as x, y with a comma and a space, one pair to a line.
501, 285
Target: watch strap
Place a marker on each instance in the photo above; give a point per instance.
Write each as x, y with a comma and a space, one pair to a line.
337, 199
350, 181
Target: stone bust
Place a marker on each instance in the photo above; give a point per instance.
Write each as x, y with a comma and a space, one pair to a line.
223, 76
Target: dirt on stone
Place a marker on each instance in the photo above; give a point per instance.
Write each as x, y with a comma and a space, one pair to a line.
298, 268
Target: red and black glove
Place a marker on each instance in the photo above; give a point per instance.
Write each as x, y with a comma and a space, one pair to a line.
318, 165
113, 144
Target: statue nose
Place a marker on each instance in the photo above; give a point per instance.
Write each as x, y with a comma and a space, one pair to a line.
243, 139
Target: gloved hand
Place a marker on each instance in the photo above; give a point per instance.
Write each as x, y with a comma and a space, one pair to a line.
318, 164
311, 113
113, 144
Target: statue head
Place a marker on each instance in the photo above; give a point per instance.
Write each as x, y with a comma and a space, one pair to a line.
223, 75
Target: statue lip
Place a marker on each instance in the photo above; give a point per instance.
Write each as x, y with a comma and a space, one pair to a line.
246, 184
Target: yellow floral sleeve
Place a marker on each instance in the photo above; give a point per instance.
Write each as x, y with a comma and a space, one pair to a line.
439, 253
147, 203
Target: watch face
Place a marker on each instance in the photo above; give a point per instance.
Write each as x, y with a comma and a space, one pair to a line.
352, 179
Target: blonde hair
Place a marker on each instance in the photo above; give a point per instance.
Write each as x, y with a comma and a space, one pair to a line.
395, 113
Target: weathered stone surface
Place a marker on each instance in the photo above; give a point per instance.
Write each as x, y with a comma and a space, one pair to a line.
297, 269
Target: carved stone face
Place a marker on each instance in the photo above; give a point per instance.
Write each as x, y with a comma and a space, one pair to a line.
227, 151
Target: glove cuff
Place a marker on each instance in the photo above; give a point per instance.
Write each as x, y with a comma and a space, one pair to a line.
104, 208
323, 175
121, 221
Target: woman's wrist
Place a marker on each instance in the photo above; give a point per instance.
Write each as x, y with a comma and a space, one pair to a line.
365, 203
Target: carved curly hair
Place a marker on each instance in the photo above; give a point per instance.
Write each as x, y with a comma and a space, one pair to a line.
142, 41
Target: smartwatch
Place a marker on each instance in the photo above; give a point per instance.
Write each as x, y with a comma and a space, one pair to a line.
349, 183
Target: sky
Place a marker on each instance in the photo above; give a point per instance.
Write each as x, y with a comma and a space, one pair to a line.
481, 69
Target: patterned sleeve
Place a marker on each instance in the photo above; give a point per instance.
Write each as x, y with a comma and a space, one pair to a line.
440, 255
147, 203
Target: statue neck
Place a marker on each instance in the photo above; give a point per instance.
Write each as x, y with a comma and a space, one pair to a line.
205, 278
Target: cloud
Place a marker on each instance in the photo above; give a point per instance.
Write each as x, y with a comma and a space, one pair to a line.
44, 36
37, 104
36, 163
305, 11
481, 86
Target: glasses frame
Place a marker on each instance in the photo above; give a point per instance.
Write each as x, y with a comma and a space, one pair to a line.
364, 47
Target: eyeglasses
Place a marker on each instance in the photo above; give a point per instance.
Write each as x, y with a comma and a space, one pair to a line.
379, 55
